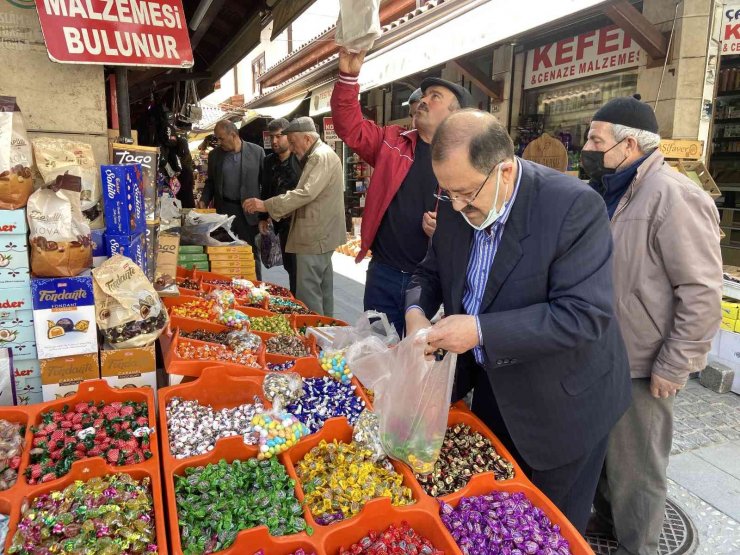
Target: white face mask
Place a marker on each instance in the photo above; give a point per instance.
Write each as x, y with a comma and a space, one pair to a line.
493, 214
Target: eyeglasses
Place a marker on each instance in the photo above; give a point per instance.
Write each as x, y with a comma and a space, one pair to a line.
446, 197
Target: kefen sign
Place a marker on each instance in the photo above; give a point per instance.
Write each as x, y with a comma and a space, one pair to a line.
731, 29
591, 53
116, 32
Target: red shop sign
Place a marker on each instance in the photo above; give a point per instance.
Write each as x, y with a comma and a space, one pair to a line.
116, 32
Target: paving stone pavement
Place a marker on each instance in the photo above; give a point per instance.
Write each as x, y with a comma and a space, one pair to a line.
702, 417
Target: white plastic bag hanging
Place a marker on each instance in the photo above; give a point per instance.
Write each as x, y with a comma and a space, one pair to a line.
210, 230
358, 25
412, 397
370, 324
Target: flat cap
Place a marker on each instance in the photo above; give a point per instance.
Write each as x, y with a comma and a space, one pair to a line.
415, 96
303, 124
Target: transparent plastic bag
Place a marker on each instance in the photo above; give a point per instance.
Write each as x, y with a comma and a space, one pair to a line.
412, 397
370, 324
210, 230
358, 26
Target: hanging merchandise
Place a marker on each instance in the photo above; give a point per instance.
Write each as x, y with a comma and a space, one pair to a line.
412, 396
16, 177
60, 238
358, 26
191, 112
55, 157
210, 230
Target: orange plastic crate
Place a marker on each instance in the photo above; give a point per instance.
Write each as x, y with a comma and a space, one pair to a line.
311, 321
175, 364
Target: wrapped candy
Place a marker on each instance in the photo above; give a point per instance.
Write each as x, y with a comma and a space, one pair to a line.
502, 522
232, 318
222, 297
11, 448
283, 389
241, 341
367, 434
324, 398
395, 539
335, 365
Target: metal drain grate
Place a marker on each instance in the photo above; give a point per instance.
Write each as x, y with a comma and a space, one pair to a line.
678, 536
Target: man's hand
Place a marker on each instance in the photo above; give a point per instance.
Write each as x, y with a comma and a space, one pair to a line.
416, 320
264, 226
350, 62
429, 223
661, 388
457, 334
201, 204
253, 205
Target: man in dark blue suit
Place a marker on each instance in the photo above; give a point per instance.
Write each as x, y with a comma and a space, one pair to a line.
521, 260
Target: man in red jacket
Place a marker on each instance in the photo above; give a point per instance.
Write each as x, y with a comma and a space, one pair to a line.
400, 208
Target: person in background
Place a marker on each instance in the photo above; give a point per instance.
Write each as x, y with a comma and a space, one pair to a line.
316, 206
521, 259
414, 100
234, 173
667, 296
400, 209
280, 175
186, 176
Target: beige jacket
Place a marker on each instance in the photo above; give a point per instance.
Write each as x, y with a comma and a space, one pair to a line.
667, 272
317, 204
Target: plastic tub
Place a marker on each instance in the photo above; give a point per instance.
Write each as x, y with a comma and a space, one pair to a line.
175, 364
311, 321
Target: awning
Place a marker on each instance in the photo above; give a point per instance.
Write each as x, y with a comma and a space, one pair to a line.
479, 27
281, 110
285, 12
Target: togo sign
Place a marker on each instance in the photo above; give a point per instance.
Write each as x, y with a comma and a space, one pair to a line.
116, 32
591, 53
731, 29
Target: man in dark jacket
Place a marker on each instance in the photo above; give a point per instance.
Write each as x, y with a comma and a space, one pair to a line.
281, 174
400, 211
234, 170
521, 259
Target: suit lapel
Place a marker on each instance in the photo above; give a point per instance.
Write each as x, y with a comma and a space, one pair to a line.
459, 261
510, 249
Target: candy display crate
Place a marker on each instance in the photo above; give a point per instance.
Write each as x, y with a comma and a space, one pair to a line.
229, 449
185, 290
338, 429
175, 364
277, 358
296, 301
86, 469
215, 387
95, 391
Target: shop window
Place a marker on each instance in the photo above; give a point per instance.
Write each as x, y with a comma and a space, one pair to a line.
564, 111
399, 108
258, 68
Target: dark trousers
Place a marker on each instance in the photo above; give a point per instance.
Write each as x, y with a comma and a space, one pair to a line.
242, 229
289, 260
385, 291
570, 487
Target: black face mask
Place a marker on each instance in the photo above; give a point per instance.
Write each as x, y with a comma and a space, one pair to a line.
592, 162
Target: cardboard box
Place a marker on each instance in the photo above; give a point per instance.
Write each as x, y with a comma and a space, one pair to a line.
60, 377
728, 324
100, 252
150, 249
191, 265
232, 265
730, 310
64, 316
202, 257
226, 257
191, 249
14, 265
737, 326
16, 322
27, 375
729, 348
123, 368
229, 250
123, 200
131, 246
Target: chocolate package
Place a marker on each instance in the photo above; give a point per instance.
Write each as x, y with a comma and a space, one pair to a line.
59, 236
16, 159
56, 156
166, 264
129, 312
123, 200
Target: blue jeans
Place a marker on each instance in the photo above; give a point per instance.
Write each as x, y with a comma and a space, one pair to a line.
385, 291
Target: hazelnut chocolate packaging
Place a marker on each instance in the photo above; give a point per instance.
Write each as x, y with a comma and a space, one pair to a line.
16, 177
123, 199
64, 316
60, 238
127, 308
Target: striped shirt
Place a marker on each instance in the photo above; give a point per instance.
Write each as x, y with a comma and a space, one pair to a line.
482, 252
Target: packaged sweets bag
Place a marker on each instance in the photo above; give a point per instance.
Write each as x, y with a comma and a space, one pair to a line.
127, 308
16, 161
60, 242
55, 157
358, 25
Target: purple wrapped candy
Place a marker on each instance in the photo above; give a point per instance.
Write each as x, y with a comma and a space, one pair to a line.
502, 522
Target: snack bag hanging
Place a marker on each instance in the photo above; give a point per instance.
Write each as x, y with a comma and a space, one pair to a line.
358, 26
16, 177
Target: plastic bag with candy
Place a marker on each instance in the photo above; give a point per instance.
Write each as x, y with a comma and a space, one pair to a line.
334, 362
367, 434
11, 447
241, 341
277, 429
223, 297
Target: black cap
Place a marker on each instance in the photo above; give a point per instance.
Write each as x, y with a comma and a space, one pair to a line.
628, 111
463, 96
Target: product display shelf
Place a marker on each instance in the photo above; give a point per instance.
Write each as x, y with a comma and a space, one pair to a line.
95, 391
